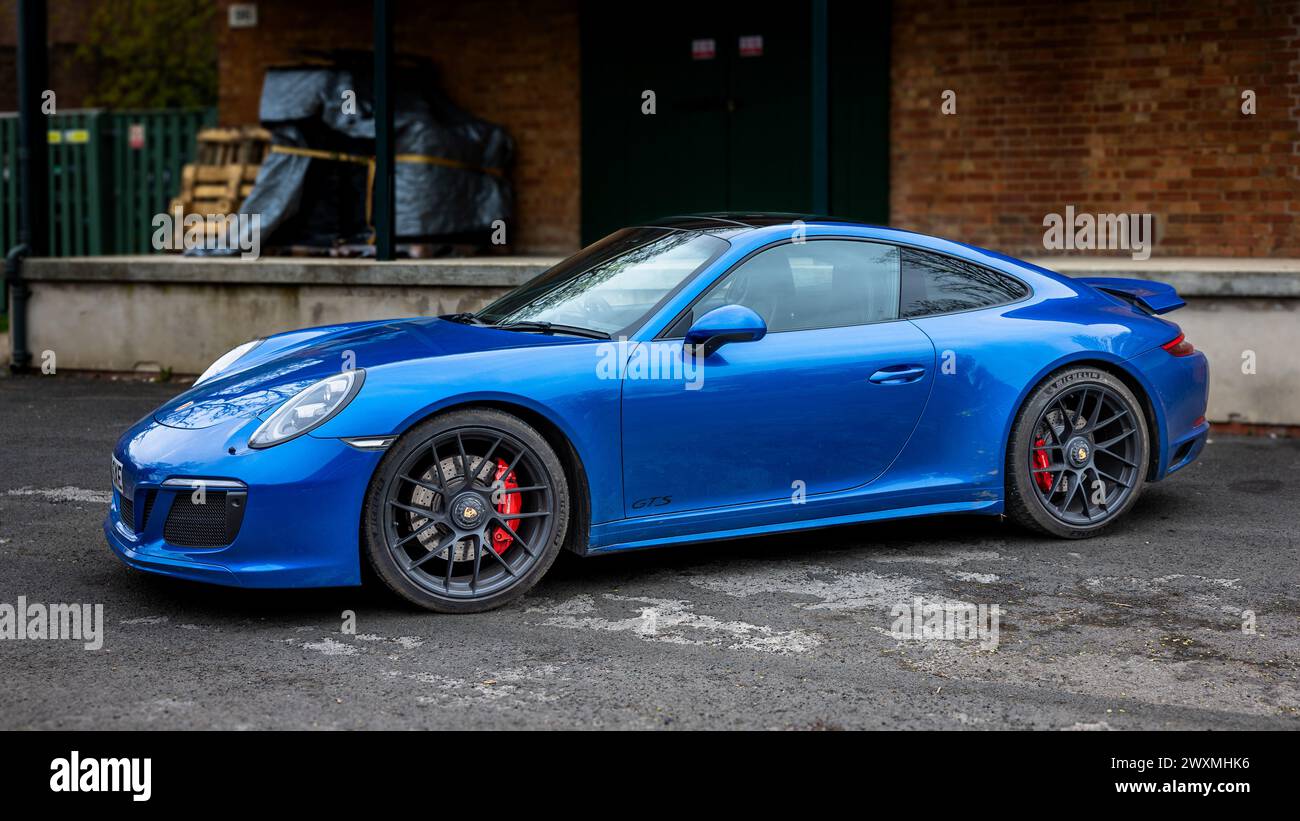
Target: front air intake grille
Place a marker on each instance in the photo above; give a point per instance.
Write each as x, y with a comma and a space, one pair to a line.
150, 496
126, 510
214, 523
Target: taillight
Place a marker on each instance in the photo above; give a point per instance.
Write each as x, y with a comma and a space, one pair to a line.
1179, 346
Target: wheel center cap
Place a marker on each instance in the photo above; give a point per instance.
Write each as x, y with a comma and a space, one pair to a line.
469, 511
1079, 451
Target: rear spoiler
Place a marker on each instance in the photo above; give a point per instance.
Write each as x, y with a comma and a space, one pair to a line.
1153, 297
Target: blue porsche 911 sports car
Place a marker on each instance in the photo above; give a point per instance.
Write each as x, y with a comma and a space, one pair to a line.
700, 378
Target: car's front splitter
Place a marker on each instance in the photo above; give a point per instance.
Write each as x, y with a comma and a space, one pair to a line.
300, 519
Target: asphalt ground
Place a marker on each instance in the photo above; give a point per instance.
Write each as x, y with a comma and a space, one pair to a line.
1185, 615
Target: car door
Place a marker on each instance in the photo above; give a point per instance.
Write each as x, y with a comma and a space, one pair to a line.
824, 402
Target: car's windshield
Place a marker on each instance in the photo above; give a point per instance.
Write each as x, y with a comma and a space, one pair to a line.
611, 285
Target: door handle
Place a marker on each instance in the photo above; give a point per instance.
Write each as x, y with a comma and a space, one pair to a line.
897, 375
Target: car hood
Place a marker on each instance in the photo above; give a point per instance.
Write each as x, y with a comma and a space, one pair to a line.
284, 364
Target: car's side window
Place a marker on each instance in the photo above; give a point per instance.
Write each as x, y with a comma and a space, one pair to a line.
935, 284
807, 285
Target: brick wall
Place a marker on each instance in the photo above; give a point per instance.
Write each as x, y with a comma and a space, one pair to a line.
513, 62
1106, 105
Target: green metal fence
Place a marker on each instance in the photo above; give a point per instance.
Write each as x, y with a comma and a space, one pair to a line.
76, 193
146, 178
110, 173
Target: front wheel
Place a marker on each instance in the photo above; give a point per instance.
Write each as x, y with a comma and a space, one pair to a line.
1078, 454
466, 512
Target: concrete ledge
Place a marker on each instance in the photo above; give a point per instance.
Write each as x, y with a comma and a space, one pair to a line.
1192, 276
172, 313
484, 272
179, 314
183, 327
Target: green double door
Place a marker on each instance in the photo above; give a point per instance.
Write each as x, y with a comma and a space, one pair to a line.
708, 106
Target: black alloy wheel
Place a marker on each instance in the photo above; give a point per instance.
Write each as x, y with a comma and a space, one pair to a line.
466, 512
1078, 454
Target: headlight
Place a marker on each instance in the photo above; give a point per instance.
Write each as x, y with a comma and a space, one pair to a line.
308, 408
227, 359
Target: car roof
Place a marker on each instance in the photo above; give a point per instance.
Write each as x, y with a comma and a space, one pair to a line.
723, 220
731, 224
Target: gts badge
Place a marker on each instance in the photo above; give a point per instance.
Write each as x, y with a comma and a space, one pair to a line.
653, 501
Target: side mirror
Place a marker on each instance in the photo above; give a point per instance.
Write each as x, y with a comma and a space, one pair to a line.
730, 323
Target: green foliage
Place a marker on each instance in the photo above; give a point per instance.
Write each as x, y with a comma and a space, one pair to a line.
151, 54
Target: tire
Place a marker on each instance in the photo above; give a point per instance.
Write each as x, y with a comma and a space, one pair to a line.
1081, 426
441, 525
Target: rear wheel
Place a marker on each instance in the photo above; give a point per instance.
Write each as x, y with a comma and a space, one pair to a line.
1078, 454
466, 512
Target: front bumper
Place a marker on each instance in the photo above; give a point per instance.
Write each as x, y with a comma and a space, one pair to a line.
301, 516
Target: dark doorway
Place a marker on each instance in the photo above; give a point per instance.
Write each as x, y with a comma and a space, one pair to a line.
733, 122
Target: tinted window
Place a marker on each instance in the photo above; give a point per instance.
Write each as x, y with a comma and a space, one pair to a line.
934, 284
814, 284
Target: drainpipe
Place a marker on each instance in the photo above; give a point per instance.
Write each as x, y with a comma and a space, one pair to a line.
18, 306
33, 167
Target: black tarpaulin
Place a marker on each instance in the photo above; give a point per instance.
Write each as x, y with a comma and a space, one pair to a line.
313, 188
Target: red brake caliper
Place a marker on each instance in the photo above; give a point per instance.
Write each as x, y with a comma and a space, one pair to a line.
510, 503
1041, 461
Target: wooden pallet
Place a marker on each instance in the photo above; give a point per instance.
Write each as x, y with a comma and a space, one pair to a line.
228, 160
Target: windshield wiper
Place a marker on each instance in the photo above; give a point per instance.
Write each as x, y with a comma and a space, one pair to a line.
552, 328
464, 318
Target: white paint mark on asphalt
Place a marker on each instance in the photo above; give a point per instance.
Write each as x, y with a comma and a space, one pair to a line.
951, 558
673, 621
509, 687
1230, 584
527, 673
146, 620
64, 494
1111, 582
405, 642
576, 606
1121, 672
330, 647
981, 578
833, 589
1086, 726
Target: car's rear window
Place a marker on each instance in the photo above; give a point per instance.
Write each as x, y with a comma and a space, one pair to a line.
936, 284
